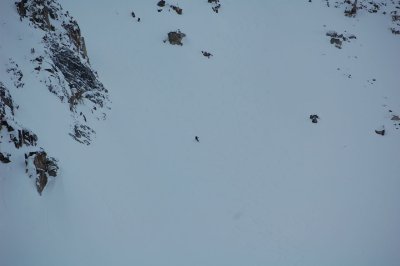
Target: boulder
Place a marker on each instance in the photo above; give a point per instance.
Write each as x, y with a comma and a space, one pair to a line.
5, 157
42, 167
175, 37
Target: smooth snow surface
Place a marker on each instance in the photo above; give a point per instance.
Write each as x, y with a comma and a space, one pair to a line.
264, 186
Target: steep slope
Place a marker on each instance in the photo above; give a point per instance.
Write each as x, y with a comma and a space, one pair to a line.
264, 185
58, 63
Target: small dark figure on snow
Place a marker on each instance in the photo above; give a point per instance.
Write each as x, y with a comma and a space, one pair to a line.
314, 118
196, 138
138, 20
133, 14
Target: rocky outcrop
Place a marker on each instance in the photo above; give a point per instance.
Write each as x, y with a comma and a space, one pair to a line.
12, 132
338, 39
5, 157
215, 5
41, 167
7, 105
175, 37
314, 118
62, 66
386, 8
65, 64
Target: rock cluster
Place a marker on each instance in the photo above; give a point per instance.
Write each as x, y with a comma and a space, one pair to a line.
63, 66
314, 118
40, 166
65, 63
175, 37
338, 39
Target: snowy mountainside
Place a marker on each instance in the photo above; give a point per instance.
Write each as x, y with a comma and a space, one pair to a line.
59, 63
294, 105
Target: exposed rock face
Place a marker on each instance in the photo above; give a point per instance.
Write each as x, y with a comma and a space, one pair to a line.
24, 137
175, 37
80, 77
384, 7
42, 167
6, 103
82, 133
38, 11
12, 132
62, 66
65, 63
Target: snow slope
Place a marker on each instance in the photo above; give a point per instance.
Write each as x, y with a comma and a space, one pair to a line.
264, 186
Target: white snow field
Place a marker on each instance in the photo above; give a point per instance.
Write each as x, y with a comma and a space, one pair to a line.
264, 186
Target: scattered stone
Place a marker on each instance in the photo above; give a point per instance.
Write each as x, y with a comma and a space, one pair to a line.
82, 134
338, 39
16, 74
337, 42
6, 102
161, 3
5, 157
353, 10
175, 37
206, 54
314, 118
216, 5
177, 9
395, 118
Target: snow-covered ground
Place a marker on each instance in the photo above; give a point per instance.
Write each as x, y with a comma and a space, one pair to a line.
264, 186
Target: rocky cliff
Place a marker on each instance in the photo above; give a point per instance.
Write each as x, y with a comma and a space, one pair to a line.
61, 63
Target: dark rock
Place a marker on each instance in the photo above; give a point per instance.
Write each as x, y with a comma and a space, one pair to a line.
25, 137
75, 36
216, 5
206, 54
16, 74
82, 134
43, 167
177, 9
380, 132
6, 101
39, 12
161, 3
79, 76
314, 118
175, 37
337, 42
395, 118
5, 157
